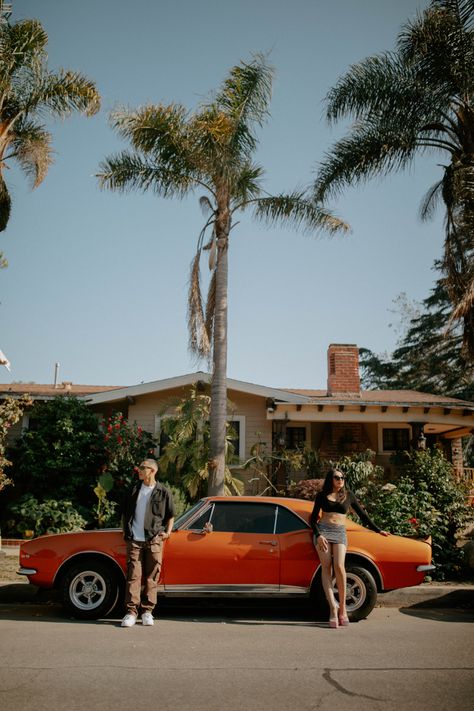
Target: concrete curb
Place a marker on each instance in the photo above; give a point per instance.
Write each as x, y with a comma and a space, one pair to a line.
429, 595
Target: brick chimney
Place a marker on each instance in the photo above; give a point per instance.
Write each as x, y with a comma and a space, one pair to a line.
343, 370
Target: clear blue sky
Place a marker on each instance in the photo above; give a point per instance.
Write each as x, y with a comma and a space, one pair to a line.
98, 281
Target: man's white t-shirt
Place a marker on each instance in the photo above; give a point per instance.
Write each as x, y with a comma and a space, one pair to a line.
138, 526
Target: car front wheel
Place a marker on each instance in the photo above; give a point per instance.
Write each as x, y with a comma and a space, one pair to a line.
89, 590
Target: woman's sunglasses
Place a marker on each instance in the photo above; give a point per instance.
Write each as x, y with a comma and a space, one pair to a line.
338, 477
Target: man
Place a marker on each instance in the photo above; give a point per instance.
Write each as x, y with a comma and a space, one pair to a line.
148, 517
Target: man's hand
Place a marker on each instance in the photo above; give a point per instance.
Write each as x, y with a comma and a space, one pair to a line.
165, 535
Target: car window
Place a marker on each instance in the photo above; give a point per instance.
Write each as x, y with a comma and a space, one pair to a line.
200, 521
243, 517
187, 516
287, 521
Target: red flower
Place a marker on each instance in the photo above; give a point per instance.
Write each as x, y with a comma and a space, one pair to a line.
117, 426
119, 440
109, 428
413, 521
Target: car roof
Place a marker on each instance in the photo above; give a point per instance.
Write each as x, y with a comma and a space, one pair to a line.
297, 505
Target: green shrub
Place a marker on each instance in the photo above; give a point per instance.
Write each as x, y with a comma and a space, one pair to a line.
60, 455
49, 516
425, 499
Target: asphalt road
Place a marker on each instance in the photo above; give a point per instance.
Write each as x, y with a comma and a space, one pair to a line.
246, 659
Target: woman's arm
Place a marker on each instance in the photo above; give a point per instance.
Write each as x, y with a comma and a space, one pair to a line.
315, 514
363, 515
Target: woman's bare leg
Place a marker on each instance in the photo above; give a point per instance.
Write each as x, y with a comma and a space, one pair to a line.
326, 578
339, 560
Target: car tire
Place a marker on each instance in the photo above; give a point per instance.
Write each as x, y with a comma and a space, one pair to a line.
361, 594
89, 590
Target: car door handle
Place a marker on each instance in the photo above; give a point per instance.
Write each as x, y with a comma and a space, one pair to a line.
267, 543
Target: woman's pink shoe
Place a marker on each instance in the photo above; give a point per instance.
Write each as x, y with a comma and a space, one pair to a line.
344, 621
333, 623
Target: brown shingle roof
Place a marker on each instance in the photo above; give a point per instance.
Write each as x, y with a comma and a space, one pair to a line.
388, 396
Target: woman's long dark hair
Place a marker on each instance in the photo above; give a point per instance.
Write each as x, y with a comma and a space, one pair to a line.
328, 484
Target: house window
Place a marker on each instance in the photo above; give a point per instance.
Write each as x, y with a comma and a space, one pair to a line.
295, 437
395, 439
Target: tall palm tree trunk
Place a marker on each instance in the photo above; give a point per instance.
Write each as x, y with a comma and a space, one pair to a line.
218, 413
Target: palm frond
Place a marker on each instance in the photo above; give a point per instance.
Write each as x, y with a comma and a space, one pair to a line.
210, 310
129, 171
366, 152
439, 42
5, 204
62, 93
297, 210
22, 44
32, 148
244, 98
246, 184
206, 205
156, 129
199, 343
431, 201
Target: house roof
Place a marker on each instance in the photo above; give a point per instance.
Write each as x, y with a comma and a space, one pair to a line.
189, 379
97, 394
47, 391
383, 397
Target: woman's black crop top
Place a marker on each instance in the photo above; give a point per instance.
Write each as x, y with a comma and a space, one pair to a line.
322, 503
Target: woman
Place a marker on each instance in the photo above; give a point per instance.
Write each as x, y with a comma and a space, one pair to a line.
334, 500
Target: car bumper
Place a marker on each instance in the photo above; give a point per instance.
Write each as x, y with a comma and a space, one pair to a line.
26, 571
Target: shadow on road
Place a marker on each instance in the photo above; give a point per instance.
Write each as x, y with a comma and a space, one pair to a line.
455, 606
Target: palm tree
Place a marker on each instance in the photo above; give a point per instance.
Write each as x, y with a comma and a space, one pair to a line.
187, 448
176, 153
29, 92
418, 99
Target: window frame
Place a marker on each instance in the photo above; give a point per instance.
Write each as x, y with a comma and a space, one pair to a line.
391, 426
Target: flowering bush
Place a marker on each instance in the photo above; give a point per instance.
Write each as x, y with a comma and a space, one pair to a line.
424, 500
305, 489
125, 446
11, 411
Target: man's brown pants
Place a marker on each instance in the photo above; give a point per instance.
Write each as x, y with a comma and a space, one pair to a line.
143, 559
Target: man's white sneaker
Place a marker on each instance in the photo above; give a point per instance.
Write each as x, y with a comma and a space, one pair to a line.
147, 619
129, 620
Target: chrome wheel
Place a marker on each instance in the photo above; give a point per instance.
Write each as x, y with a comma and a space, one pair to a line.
87, 590
90, 589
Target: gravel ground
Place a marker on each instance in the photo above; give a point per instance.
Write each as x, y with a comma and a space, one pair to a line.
8, 568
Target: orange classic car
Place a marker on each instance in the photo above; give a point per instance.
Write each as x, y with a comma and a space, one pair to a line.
252, 546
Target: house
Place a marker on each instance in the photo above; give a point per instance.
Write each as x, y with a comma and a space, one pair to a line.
342, 419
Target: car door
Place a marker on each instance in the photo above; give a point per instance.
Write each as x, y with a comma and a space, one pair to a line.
298, 558
231, 545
